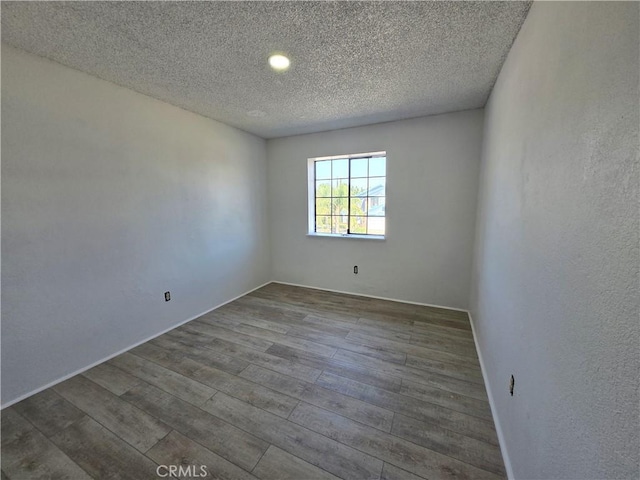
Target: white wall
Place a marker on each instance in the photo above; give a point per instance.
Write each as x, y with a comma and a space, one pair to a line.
432, 177
110, 198
555, 284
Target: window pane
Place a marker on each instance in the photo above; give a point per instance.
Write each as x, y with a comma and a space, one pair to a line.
350, 195
341, 168
359, 187
359, 167
323, 224
358, 225
339, 206
339, 224
323, 188
376, 206
377, 187
375, 225
340, 187
358, 206
323, 169
323, 206
377, 167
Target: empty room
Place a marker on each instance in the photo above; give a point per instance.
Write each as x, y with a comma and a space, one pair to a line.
201, 278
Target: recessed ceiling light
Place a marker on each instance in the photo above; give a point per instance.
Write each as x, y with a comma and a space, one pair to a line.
279, 62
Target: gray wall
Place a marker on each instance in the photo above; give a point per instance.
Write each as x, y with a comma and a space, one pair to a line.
555, 283
432, 177
110, 198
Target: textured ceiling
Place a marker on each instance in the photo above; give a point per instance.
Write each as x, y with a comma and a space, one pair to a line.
352, 63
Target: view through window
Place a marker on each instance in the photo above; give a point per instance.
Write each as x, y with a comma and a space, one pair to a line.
349, 194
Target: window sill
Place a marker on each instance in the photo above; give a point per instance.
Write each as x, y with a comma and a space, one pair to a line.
350, 236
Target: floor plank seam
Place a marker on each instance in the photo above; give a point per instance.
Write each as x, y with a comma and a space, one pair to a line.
425, 401
109, 429
293, 410
160, 440
388, 433
164, 367
301, 426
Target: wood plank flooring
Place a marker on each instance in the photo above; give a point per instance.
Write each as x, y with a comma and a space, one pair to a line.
285, 383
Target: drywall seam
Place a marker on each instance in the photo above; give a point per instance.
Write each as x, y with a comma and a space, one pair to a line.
373, 296
84, 369
494, 410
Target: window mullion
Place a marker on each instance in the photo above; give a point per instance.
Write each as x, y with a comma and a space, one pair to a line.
366, 219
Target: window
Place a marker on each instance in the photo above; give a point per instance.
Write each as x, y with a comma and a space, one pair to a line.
347, 195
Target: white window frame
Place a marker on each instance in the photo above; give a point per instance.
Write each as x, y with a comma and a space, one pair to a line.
311, 193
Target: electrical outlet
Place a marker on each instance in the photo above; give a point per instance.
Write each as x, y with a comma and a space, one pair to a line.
167, 296
512, 384
355, 269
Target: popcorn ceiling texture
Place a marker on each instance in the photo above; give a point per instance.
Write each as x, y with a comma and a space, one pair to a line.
353, 63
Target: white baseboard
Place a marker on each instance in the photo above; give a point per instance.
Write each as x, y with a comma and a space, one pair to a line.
494, 412
371, 296
84, 369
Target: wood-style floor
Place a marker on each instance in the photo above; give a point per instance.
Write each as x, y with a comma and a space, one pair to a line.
283, 383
